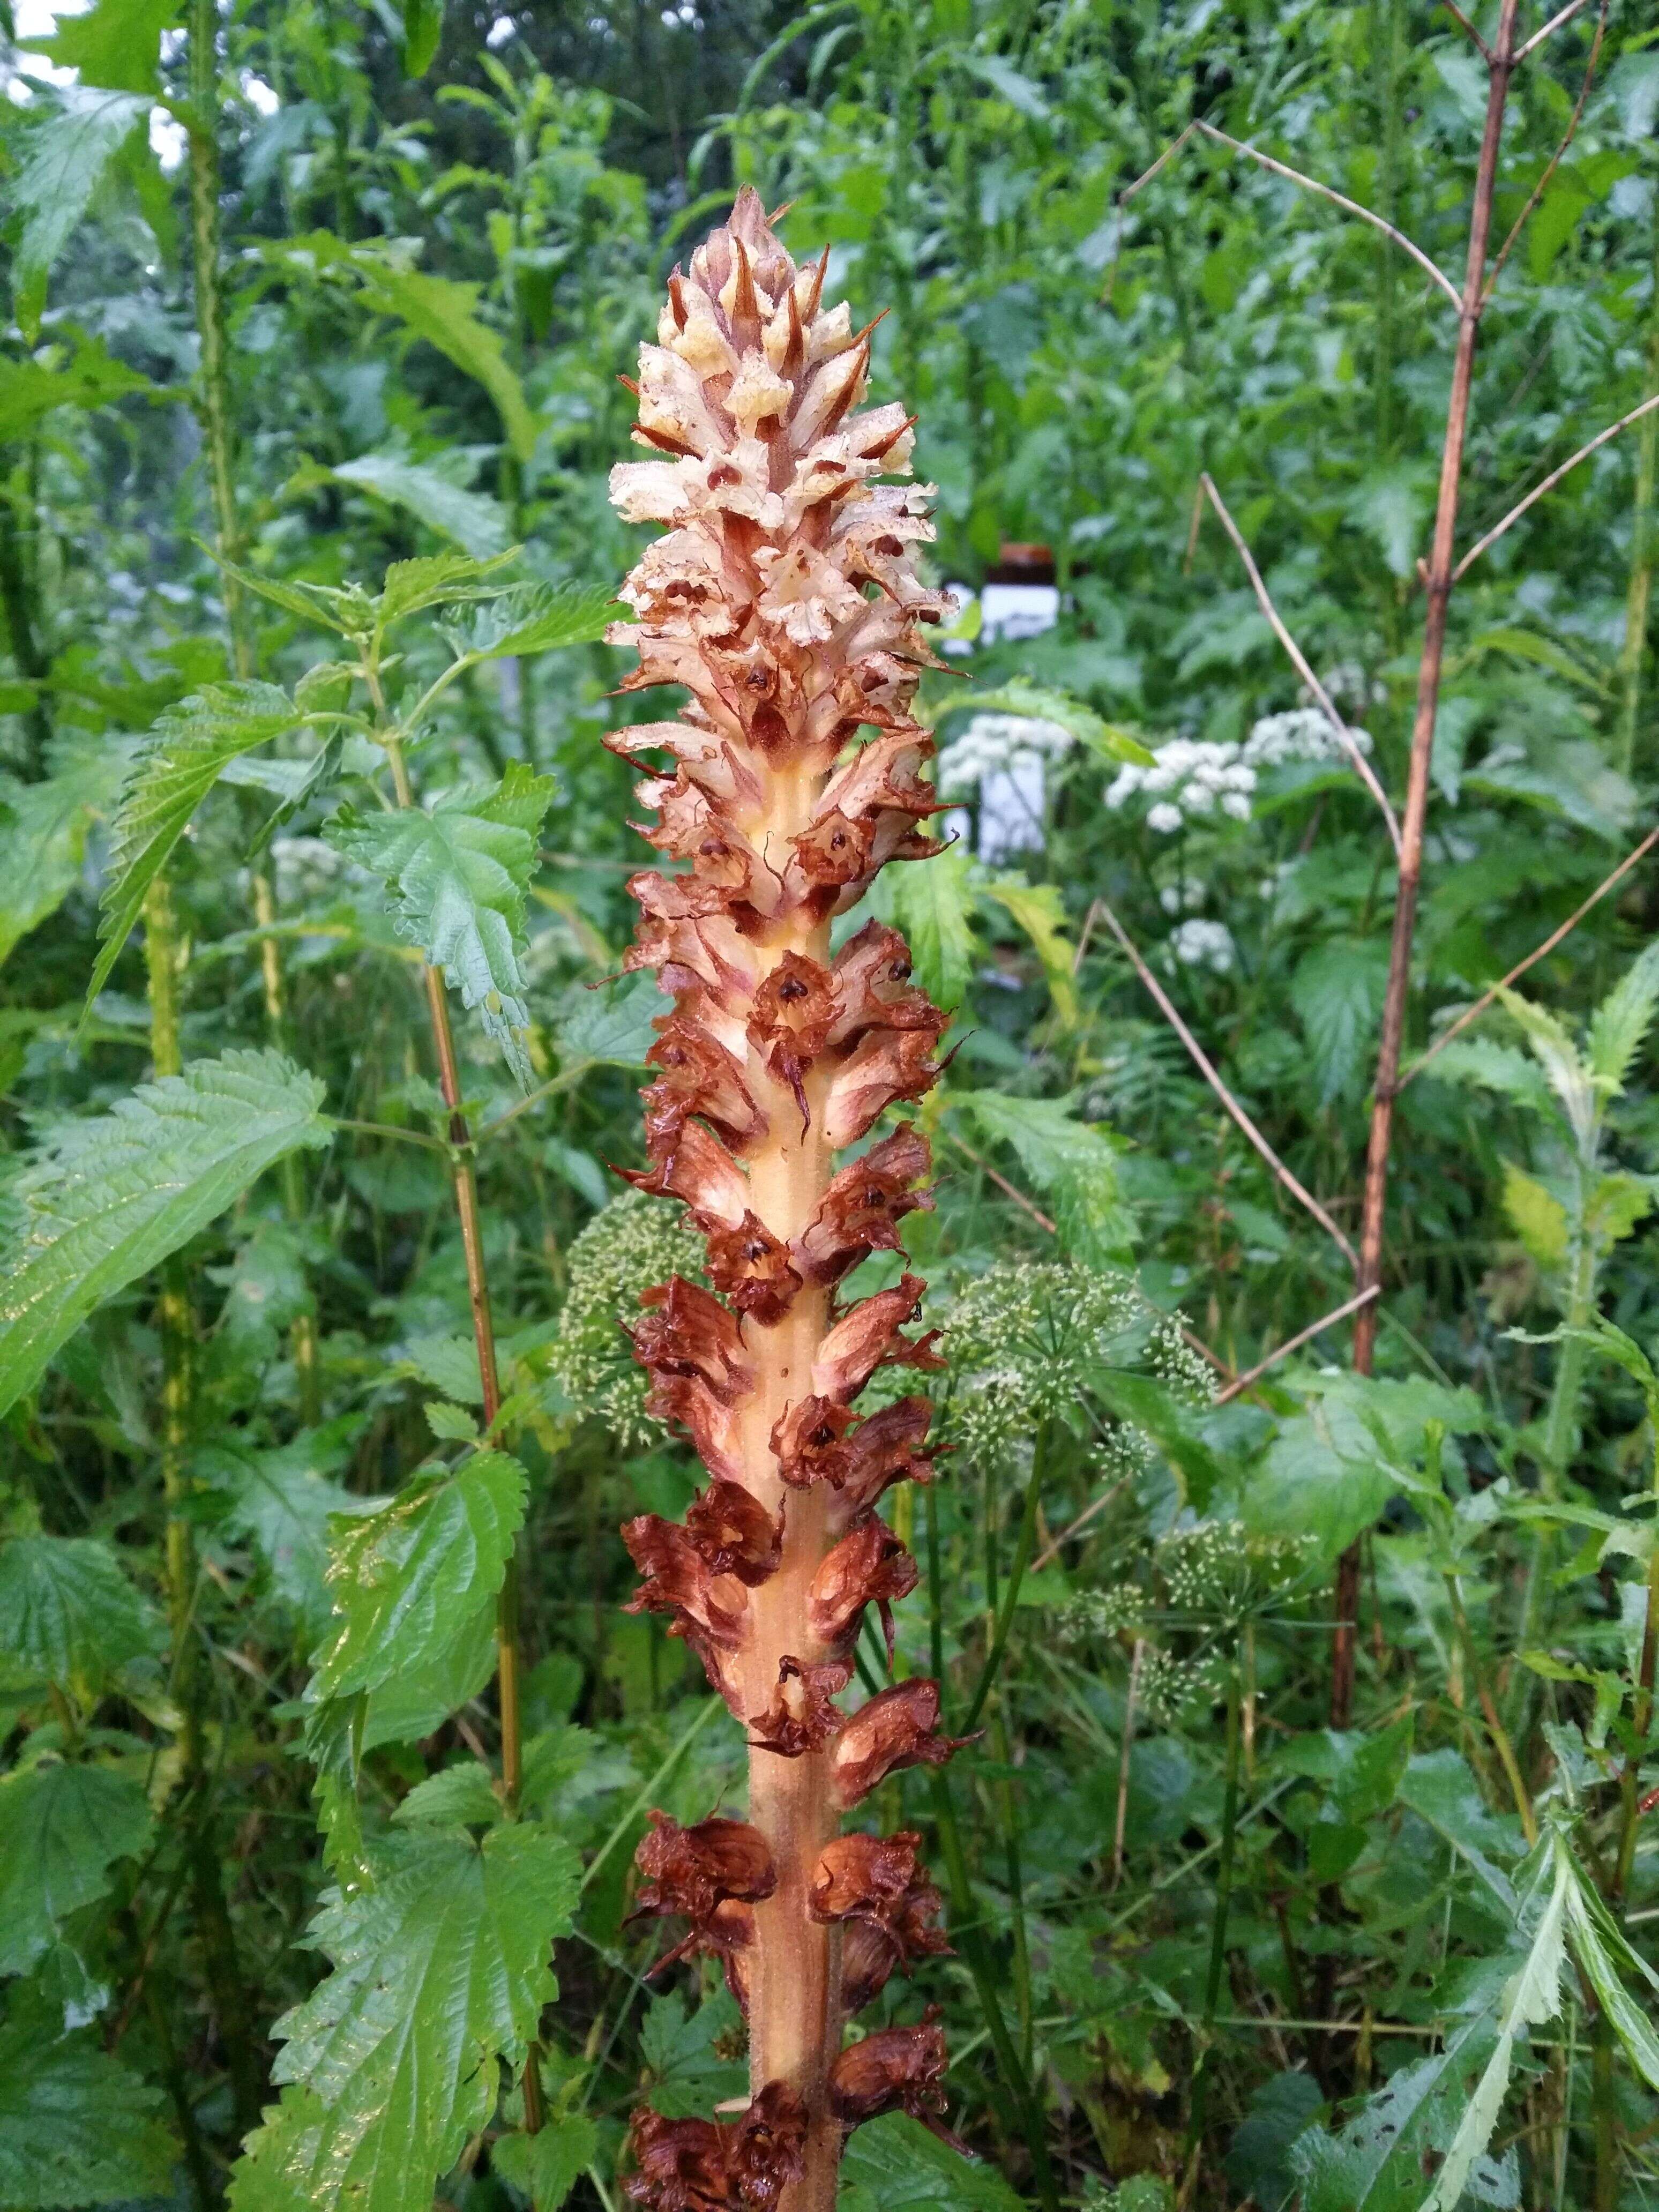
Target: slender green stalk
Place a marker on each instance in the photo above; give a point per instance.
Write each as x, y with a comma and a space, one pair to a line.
970, 1941
465, 1181
1223, 1892
20, 596
1500, 1736
1004, 1616
1008, 1806
1639, 591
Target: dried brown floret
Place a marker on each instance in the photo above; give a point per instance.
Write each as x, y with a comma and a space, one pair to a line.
860, 1211
896, 2070
735, 1533
870, 1336
897, 1728
751, 1266
802, 1716
869, 1567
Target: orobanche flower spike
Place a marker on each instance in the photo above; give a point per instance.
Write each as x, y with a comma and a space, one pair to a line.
784, 598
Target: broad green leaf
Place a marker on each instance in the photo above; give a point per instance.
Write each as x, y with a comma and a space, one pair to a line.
173, 771
690, 2073
281, 1500
1623, 1019
61, 1828
475, 522
1574, 780
902, 2164
116, 44
535, 618
436, 579
406, 1578
1376, 2165
1337, 993
1039, 910
69, 1615
107, 1198
1537, 1217
43, 828
1390, 506
439, 1974
458, 876
450, 1364
444, 313
77, 2128
1497, 1068
612, 1023
546, 2166
930, 904
90, 376
347, 610
453, 1423
423, 27
460, 1796
1439, 1787
69, 153
1070, 1161
1256, 2162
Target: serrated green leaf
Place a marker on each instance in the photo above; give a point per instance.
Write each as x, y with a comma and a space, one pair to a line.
283, 1501
439, 1974
931, 905
61, 1828
453, 1423
459, 876
1623, 1019
545, 2166
108, 1198
1337, 993
347, 610
173, 771
1537, 1217
1497, 1068
43, 828
611, 1022
443, 311
403, 1579
69, 1615
438, 579
1070, 1162
536, 618
76, 2127
450, 1364
1109, 740
69, 153
116, 44
1039, 910
90, 376
461, 1796
902, 2164
478, 523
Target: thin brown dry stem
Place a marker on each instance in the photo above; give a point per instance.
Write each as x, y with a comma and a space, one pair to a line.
1299, 660
1461, 19
1487, 998
1308, 184
1440, 580
1009, 1190
1295, 1343
1207, 1070
1602, 438
1563, 16
1554, 161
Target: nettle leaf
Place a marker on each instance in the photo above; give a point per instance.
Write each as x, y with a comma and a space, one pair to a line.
171, 772
77, 2128
347, 610
1337, 992
439, 1974
90, 376
116, 44
411, 586
1110, 740
61, 1828
536, 618
69, 1615
282, 1501
44, 826
461, 1796
931, 905
107, 1198
1070, 1162
546, 2166
69, 153
902, 2164
459, 876
403, 1578
1623, 1019
478, 523
611, 1022
1497, 1068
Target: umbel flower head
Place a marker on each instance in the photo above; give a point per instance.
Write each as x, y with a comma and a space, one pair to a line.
784, 599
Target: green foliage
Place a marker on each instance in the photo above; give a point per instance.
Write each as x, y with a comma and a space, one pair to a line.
75, 2127
68, 1616
44, 828
459, 876
107, 1198
61, 1829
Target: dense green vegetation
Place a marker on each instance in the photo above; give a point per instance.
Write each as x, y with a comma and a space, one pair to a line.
308, 395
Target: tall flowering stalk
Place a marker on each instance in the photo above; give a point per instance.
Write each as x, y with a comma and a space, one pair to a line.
784, 598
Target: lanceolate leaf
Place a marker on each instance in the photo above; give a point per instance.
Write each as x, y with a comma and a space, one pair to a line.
77, 2128
536, 618
459, 876
61, 1829
68, 155
439, 1973
423, 26
110, 1196
175, 767
68, 1614
475, 522
91, 377
443, 313
43, 826
406, 1579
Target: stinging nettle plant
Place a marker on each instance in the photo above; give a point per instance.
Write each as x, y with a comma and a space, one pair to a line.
784, 598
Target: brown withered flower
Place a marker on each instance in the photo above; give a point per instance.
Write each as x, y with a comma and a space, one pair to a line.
783, 597
710, 1874
875, 1887
896, 2070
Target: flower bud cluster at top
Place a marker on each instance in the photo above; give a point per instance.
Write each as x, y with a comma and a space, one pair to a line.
784, 599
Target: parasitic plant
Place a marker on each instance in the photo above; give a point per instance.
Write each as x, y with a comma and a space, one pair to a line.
784, 599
